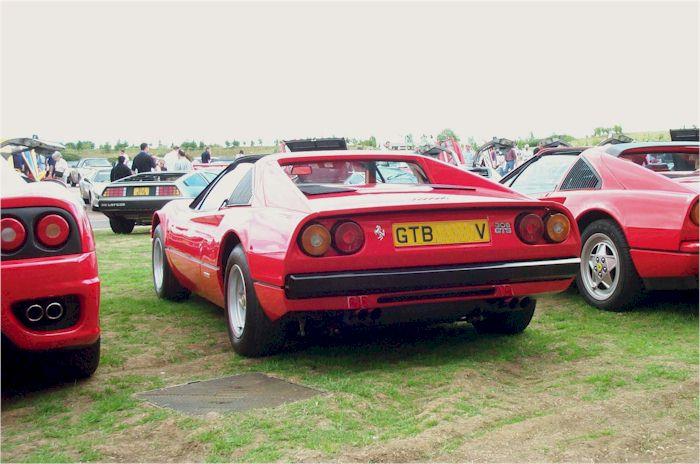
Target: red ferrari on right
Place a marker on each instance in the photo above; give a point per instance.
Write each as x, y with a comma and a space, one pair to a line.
636, 205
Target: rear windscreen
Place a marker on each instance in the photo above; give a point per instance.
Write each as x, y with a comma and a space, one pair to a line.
355, 172
667, 162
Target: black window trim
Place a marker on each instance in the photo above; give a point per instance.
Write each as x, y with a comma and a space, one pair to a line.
199, 199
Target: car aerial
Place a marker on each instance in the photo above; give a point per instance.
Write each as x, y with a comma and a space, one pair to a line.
50, 286
85, 167
636, 205
133, 200
283, 242
92, 186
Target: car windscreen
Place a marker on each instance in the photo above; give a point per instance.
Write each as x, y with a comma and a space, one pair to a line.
355, 172
101, 176
95, 163
667, 163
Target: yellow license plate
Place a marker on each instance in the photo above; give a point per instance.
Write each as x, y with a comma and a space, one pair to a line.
441, 233
142, 191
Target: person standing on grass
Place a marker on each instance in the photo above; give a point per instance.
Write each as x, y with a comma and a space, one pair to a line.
170, 157
123, 153
60, 167
206, 156
183, 162
120, 170
143, 162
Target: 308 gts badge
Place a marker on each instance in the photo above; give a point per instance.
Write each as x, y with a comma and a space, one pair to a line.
501, 228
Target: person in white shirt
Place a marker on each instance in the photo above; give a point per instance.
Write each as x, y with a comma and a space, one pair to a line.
170, 158
182, 163
60, 167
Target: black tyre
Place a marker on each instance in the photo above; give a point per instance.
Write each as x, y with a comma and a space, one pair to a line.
121, 225
76, 363
607, 278
510, 322
87, 200
251, 332
165, 283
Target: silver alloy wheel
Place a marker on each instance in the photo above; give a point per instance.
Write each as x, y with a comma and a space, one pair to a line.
600, 270
158, 257
237, 301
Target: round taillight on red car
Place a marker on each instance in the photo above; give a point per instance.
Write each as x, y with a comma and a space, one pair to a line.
530, 228
12, 233
315, 240
52, 231
557, 227
348, 237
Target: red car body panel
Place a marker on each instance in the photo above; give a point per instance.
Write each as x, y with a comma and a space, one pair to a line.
51, 276
652, 210
268, 230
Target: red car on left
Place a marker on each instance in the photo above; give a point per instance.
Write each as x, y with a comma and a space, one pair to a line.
50, 286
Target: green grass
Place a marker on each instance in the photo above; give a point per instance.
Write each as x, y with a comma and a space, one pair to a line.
379, 387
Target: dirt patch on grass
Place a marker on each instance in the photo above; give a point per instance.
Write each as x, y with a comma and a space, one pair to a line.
627, 427
162, 442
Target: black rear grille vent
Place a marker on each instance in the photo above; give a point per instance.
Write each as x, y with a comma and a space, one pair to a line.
581, 176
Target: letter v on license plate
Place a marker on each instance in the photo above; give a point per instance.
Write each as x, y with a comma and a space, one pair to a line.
441, 232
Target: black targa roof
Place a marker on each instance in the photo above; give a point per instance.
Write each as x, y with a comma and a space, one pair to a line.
316, 144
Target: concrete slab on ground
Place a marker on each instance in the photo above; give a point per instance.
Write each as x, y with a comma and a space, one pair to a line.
228, 394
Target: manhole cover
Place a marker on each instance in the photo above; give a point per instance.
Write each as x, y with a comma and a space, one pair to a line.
235, 393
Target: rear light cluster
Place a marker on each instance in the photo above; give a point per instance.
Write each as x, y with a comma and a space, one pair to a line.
114, 192
533, 229
167, 191
346, 237
51, 231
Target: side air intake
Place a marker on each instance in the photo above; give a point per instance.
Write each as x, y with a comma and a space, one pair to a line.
581, 176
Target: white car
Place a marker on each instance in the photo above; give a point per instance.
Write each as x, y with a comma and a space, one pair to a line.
92, 186
85, 167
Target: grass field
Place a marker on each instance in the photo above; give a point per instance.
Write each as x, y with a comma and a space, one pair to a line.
578, 385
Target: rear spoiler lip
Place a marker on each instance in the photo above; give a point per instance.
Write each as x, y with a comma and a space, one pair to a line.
516, 204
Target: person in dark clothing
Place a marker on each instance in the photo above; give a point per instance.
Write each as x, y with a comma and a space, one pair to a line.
18, 161
120, 170
206, 156
143, 162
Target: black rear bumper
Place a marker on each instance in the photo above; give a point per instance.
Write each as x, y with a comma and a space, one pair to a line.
299, 286
136, 210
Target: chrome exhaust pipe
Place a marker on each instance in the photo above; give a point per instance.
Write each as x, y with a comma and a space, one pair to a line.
54, 311
34, 313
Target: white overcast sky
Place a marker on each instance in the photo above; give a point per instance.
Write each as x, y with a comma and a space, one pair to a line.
221, 71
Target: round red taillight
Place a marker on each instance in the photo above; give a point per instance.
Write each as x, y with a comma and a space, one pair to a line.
530, 228
52, 230
348, 237
12, 233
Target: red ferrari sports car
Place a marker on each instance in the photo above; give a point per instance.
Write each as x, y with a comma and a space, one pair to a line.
286, 240
50, 287
636, 205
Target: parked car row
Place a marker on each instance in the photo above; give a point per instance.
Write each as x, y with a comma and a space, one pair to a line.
300, 240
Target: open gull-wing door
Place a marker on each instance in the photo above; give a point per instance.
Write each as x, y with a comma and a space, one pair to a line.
28, 148
485, 155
